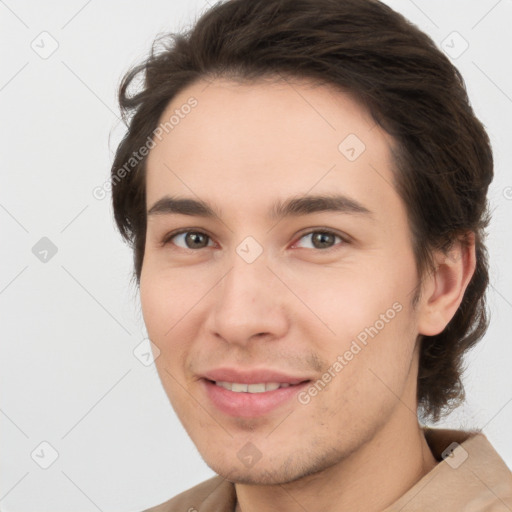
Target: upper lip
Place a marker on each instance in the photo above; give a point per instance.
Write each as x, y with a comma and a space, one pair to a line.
255, 376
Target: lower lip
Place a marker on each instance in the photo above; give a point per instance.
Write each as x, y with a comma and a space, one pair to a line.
249, 405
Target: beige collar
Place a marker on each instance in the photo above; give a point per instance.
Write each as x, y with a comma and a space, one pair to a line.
471, 477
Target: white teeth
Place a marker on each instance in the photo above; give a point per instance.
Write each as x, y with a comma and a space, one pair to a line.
256, 388
239, 388
251, 388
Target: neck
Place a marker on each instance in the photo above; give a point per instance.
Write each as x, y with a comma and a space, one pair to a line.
388, 464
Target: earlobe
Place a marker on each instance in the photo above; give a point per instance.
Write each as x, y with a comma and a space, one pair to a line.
444, 288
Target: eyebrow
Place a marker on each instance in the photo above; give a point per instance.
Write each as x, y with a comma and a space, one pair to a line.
296, 206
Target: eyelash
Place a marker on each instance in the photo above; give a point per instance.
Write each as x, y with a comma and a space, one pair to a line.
168, 238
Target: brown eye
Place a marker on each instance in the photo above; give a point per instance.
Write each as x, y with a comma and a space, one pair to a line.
320, 240
190, 240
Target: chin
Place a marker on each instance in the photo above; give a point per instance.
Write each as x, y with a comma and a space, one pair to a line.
265, 472
251, 477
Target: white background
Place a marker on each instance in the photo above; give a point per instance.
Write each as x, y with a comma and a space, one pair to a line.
69, 326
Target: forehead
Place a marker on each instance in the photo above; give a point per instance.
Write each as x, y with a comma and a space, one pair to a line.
267, 140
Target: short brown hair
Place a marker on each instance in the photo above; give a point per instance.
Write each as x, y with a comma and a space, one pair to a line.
443, 158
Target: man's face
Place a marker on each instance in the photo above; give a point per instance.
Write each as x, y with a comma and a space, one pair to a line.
261, 294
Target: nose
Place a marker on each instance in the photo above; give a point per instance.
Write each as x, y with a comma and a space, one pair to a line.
249, 303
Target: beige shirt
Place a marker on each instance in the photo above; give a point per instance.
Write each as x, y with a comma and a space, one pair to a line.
471, 477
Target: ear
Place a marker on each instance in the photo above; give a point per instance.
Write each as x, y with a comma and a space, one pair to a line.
443, 289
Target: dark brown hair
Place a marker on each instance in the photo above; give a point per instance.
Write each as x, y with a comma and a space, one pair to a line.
442, 153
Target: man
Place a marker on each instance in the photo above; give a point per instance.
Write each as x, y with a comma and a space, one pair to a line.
304, 186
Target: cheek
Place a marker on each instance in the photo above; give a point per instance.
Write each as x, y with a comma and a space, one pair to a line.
368, 334
155, 299
377, 358
163, 306
168, 299
347, 301
173, 306
162, 309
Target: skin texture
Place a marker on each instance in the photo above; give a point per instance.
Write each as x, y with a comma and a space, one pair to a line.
296, 307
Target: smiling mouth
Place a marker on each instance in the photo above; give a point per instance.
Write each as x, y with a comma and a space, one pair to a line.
261, 387
251, 400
